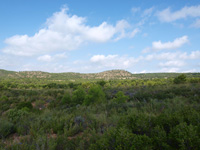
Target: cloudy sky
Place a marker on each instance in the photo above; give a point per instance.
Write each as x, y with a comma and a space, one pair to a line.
88, 36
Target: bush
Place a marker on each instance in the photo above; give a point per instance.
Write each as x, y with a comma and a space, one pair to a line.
95, 95
24, 104
184, 136
180, 79
66, 99
78, 96
120, 97
16, 115
6, 128
122, 139
159, 138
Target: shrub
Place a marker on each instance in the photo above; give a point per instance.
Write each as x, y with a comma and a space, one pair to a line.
15, 115
24, 104
95, 95
66, 99
180, 79
184, 136
120, 97
159, 138
6, 128
78, 96
122, 139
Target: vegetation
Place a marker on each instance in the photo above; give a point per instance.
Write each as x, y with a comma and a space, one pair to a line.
147, 113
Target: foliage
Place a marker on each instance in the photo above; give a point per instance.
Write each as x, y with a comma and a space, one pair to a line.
78, 96
142, 113
6, 128
24, 104
95, 95
180, 79
120, 97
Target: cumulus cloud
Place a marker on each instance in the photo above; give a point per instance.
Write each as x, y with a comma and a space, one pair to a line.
173, 56
167, 15
159, 62
49, 58
46, 58
158, 45
64, 32
178, 42
194, 55
173, 63
113, 61
170, 70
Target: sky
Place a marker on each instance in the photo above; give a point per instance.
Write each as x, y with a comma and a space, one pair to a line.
140, 36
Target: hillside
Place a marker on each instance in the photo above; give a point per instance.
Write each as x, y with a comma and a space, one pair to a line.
106, 75
112, 74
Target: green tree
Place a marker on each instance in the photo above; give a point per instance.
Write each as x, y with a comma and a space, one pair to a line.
120, 97
180, 79
66, 99
6, 128
95, 95
78, 95
185, 136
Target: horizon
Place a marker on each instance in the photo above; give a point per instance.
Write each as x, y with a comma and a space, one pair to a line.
92, 37
100, 72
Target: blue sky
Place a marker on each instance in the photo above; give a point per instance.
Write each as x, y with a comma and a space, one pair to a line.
93, 36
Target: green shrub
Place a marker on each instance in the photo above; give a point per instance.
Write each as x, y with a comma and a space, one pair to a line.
16, 115
120, 97
159, 138
24, 104
78, 96
66, 99
180, 79
122, 139
95, 95
6, 128
184, 136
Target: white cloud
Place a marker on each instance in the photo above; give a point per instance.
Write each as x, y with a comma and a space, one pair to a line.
173, 63
194, 55
99, 58
64, 32
196, 24
135, 10
113, 61
134, 32
49, 58
46, 58
173, 56
158, 45
148, 12
170, 70
61, 55
178, 42
167, 16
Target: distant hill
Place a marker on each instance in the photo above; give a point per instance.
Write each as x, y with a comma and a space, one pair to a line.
106, 75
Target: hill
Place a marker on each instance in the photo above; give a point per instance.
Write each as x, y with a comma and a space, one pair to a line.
105, 75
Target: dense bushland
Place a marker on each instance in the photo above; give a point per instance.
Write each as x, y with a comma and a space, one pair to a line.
117, 114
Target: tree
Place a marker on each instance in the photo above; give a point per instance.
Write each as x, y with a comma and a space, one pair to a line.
184, 136
6, 128
95, 95
120, 97
66, 99
180, 79
78, 95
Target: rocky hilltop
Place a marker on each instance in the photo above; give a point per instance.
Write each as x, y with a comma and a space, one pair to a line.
106, 75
